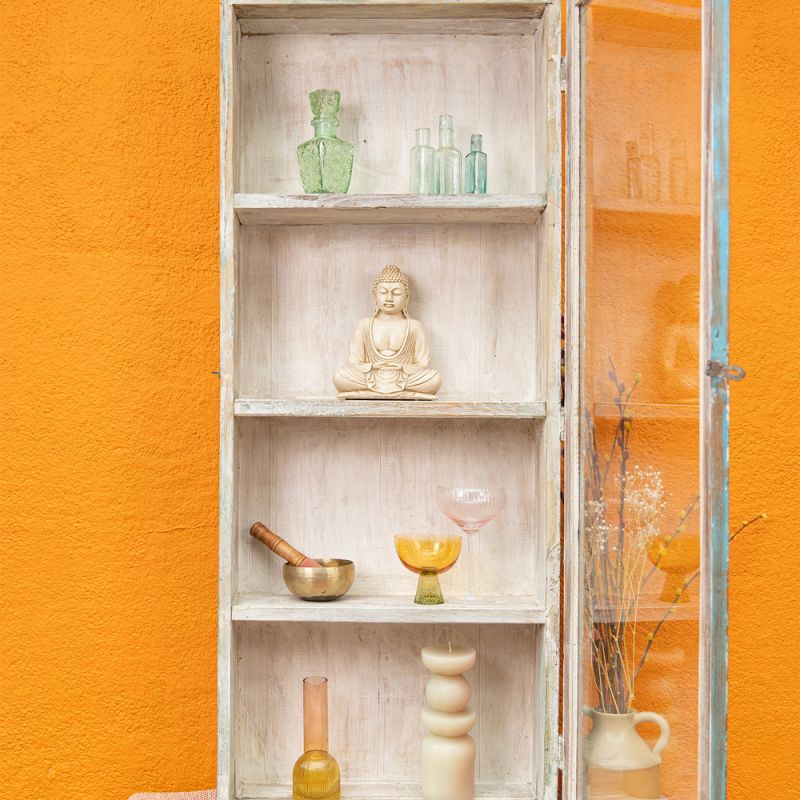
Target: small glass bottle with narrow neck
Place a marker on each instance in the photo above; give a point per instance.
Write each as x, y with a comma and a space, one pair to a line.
316, 772
475, 167
448, 159
423, 177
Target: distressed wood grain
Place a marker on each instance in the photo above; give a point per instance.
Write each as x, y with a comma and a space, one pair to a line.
267, 209
366, 409
390, 609
390, 85
376, 690
390, 9
343, 489
479, 291
229, 38
346, 476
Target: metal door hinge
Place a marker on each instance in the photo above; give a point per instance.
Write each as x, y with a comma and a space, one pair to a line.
563, 74
730, 372
562, 425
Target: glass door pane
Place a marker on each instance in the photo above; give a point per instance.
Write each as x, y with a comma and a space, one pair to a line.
637, 331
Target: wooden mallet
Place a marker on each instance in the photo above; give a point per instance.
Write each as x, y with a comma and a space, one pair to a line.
281, 547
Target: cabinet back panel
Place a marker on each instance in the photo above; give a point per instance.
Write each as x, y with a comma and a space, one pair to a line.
478, 290
375, 693
390, 85
343, 488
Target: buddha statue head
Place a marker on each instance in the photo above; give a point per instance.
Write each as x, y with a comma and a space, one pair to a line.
391, 292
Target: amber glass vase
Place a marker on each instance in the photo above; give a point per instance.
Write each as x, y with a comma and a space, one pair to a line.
316, 772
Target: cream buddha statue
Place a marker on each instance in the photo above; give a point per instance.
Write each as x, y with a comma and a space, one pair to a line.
388, 351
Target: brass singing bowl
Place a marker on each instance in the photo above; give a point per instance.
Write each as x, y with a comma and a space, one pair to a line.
320, 584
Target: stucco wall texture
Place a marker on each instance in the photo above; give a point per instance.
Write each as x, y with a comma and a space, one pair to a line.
109, 341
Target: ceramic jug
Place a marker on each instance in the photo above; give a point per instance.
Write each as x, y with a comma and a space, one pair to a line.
619, 759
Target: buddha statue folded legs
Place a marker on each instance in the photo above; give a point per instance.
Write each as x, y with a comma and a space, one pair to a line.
388, 351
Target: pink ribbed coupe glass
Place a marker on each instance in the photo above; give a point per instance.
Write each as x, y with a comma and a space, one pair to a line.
470, 509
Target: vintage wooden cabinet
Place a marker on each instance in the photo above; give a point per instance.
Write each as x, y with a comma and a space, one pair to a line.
339, 478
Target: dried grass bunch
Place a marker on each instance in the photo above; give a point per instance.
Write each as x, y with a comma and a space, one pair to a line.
624, 506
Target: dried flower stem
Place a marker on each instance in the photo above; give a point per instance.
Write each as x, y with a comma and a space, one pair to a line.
614, 569
678, 592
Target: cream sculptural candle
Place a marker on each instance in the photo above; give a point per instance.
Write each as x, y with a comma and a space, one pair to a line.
448, 751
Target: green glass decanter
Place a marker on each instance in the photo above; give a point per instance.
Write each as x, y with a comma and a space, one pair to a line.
326, 162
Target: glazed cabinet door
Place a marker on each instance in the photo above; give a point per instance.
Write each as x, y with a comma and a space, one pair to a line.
646, 523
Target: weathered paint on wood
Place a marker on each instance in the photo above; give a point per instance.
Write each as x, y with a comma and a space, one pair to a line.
376, 690
713, 690
393, 9
342, 488
421, 77
514, 430
548, 65
389, 609
227, 456
481, 293
491, 26
572, 699
266, 209
366, 409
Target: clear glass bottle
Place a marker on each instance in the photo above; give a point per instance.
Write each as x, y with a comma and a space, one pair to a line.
326, 162
634, 171
423, 176
475, 166
678, 168
448, 159
316, 772
649, 166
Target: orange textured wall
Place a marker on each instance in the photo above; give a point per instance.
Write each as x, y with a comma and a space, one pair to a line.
109, 341
109, 448
764, 728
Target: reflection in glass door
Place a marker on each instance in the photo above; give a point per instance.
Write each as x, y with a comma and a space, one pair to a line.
638, 398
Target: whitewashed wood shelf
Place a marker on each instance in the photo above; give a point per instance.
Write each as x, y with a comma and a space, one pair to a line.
395, 791
388, 609
388, 16
304, 209
368, 409
391, 9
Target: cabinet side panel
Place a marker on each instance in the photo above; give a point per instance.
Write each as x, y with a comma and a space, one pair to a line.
227, 456
548, 62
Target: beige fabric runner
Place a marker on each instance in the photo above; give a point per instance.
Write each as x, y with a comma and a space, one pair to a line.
208, 794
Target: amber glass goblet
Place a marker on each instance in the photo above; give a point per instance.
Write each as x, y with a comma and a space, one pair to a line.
428, 554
